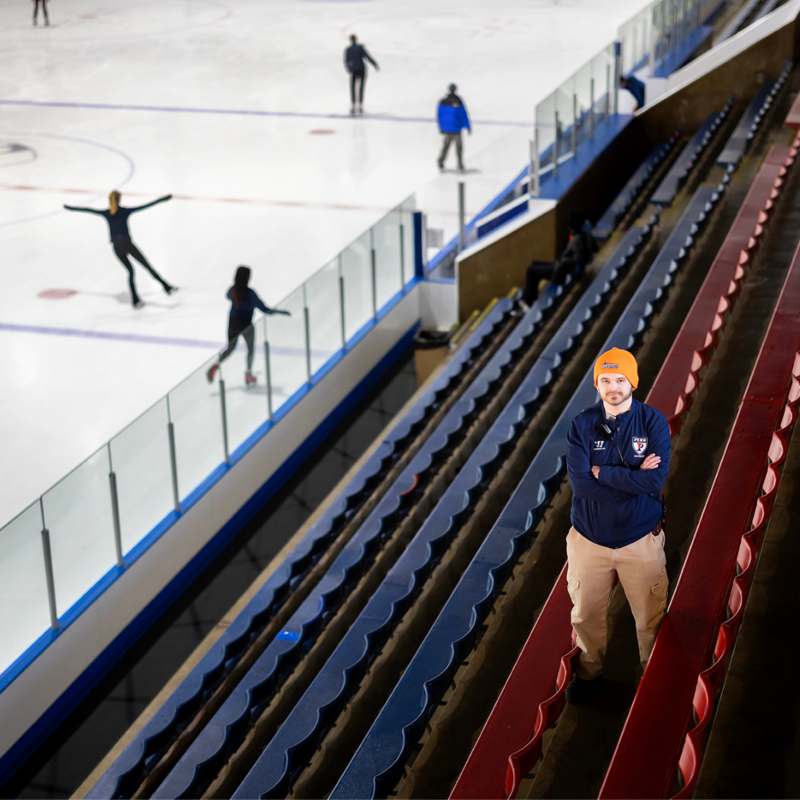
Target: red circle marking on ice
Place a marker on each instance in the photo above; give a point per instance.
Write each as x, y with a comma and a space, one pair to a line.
322, 131
57, 294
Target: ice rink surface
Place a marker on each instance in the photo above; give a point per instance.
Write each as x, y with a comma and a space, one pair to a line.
240, 109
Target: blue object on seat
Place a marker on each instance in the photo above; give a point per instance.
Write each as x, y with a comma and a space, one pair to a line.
129, 769
306, 726
378, 763
673, 181
739, 141
225, 731
630, 191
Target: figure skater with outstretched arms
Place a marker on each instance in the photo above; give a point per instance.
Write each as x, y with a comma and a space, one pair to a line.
244, 302
117, 218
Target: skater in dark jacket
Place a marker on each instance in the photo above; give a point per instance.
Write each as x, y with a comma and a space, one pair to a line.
354, 57
117, 218
576, 256
452, 117
244, 302
36, 11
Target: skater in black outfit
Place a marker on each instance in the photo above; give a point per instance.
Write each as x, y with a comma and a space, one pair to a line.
244, 301
36, 11
117, 218
576, 256
354, 62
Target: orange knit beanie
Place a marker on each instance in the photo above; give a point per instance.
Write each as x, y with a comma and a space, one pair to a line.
617, 361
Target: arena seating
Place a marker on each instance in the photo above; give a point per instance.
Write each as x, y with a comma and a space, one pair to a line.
511, 740
379, 760
227, 728
747, 127
700, 628
141, 755
687, 159
630, 192
305, 727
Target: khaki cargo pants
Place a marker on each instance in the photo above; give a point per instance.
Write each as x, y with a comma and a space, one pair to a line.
642, 571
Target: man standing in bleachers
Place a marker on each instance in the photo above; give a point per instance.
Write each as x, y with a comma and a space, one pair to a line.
618, 454
635, 87
354, 57
453, 118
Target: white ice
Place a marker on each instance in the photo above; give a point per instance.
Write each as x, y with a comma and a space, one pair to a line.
283, 190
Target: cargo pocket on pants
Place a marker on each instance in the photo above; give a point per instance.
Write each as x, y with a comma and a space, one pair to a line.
658, 592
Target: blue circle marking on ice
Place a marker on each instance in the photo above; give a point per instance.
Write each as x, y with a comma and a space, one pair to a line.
110, 148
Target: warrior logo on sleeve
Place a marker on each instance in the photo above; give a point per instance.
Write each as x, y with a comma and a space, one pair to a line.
639, 445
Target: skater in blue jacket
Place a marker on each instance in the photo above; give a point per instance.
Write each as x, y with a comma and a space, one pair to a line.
453, 118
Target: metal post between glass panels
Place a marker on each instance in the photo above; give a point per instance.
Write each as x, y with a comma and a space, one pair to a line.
173, 460
402, 252
269, 374
112, 479
462, 216
308, 339
617, 74
556, 143
48, 571
591, 108
224, 420
374, 273
608, 92
574, 138
341, 305
534, 187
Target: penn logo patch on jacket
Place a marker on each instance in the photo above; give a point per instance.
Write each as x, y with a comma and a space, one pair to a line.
639, 445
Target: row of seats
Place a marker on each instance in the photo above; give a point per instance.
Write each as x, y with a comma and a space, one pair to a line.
700, 332
229, 726
686, 667
305, 727
678, 174
378, 762
143, 753
631, 191
511, 741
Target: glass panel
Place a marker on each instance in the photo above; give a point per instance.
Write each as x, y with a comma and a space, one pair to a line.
287, 349
386, 241
140, 458
407, 219
564, 107
545, 126
357, 274
194, 408
23, 585
583, 90
324, 314
245, 405
77, 512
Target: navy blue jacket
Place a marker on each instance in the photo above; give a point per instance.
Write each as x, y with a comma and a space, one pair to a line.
452, 115
118, 223
242, 313
354, 58
636, 88
621, 505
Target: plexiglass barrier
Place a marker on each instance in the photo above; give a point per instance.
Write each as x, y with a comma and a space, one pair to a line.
93, 520
571, 114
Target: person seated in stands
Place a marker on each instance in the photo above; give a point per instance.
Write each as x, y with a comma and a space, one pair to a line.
573, 261
635, 87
